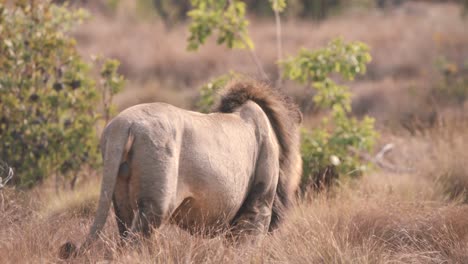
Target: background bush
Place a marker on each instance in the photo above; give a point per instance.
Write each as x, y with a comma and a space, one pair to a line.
49, 97
334, 145
453, 87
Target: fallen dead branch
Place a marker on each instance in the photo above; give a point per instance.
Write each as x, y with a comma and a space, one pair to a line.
8, 171
5, 170
379, 160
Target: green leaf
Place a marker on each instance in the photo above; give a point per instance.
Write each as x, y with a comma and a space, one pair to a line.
209, 91
278, 5
224, 18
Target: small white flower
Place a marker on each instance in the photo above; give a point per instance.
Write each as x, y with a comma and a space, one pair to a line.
334, 160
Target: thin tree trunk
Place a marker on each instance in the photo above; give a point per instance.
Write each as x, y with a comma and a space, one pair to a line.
73, 181
279, 47
57, 183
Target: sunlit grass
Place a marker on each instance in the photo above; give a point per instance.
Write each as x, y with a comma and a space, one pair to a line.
80, 202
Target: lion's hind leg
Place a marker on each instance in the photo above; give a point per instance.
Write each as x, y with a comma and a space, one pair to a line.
157, 179
254, 216
122, 201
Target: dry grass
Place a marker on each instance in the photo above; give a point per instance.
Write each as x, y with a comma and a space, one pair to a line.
78, 203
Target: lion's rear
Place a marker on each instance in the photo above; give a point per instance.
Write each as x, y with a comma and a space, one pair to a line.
284, 117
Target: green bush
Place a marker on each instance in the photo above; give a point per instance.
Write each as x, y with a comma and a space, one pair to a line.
209, 91
335, 145
340, 138
453, 87
226, 19
48, 93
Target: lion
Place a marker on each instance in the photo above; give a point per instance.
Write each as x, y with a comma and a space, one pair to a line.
234, 169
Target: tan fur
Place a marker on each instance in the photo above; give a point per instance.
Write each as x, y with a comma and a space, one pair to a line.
236, 169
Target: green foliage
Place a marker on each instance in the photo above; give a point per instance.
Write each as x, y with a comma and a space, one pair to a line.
278, 5
111, 84
332, 141
225, 18
209, 91
113, 4
171, 11
321, 147
315, 67
48, 95
111, 80
347, 59
453, 88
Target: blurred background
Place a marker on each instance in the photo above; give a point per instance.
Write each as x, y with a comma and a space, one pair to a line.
419, 49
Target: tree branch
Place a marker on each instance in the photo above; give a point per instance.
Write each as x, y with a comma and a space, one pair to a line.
256, 60
379, 159
253, 55
9, 172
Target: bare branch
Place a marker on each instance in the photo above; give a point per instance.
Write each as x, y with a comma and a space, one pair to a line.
253, 55
257, 62
379, 159
387, 148
8, 171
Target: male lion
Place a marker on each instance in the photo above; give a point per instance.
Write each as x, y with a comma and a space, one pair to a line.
234, 169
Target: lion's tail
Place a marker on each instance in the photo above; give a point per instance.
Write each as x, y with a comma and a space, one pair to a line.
278, 108
115, 144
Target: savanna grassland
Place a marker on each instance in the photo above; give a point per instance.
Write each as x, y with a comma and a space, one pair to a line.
412, 211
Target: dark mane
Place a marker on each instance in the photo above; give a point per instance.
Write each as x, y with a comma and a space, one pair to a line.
284, 116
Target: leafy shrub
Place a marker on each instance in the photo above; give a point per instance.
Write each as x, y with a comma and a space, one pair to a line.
225, 18
209, 91
453, 87
330, 144
48, 94
333, 148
